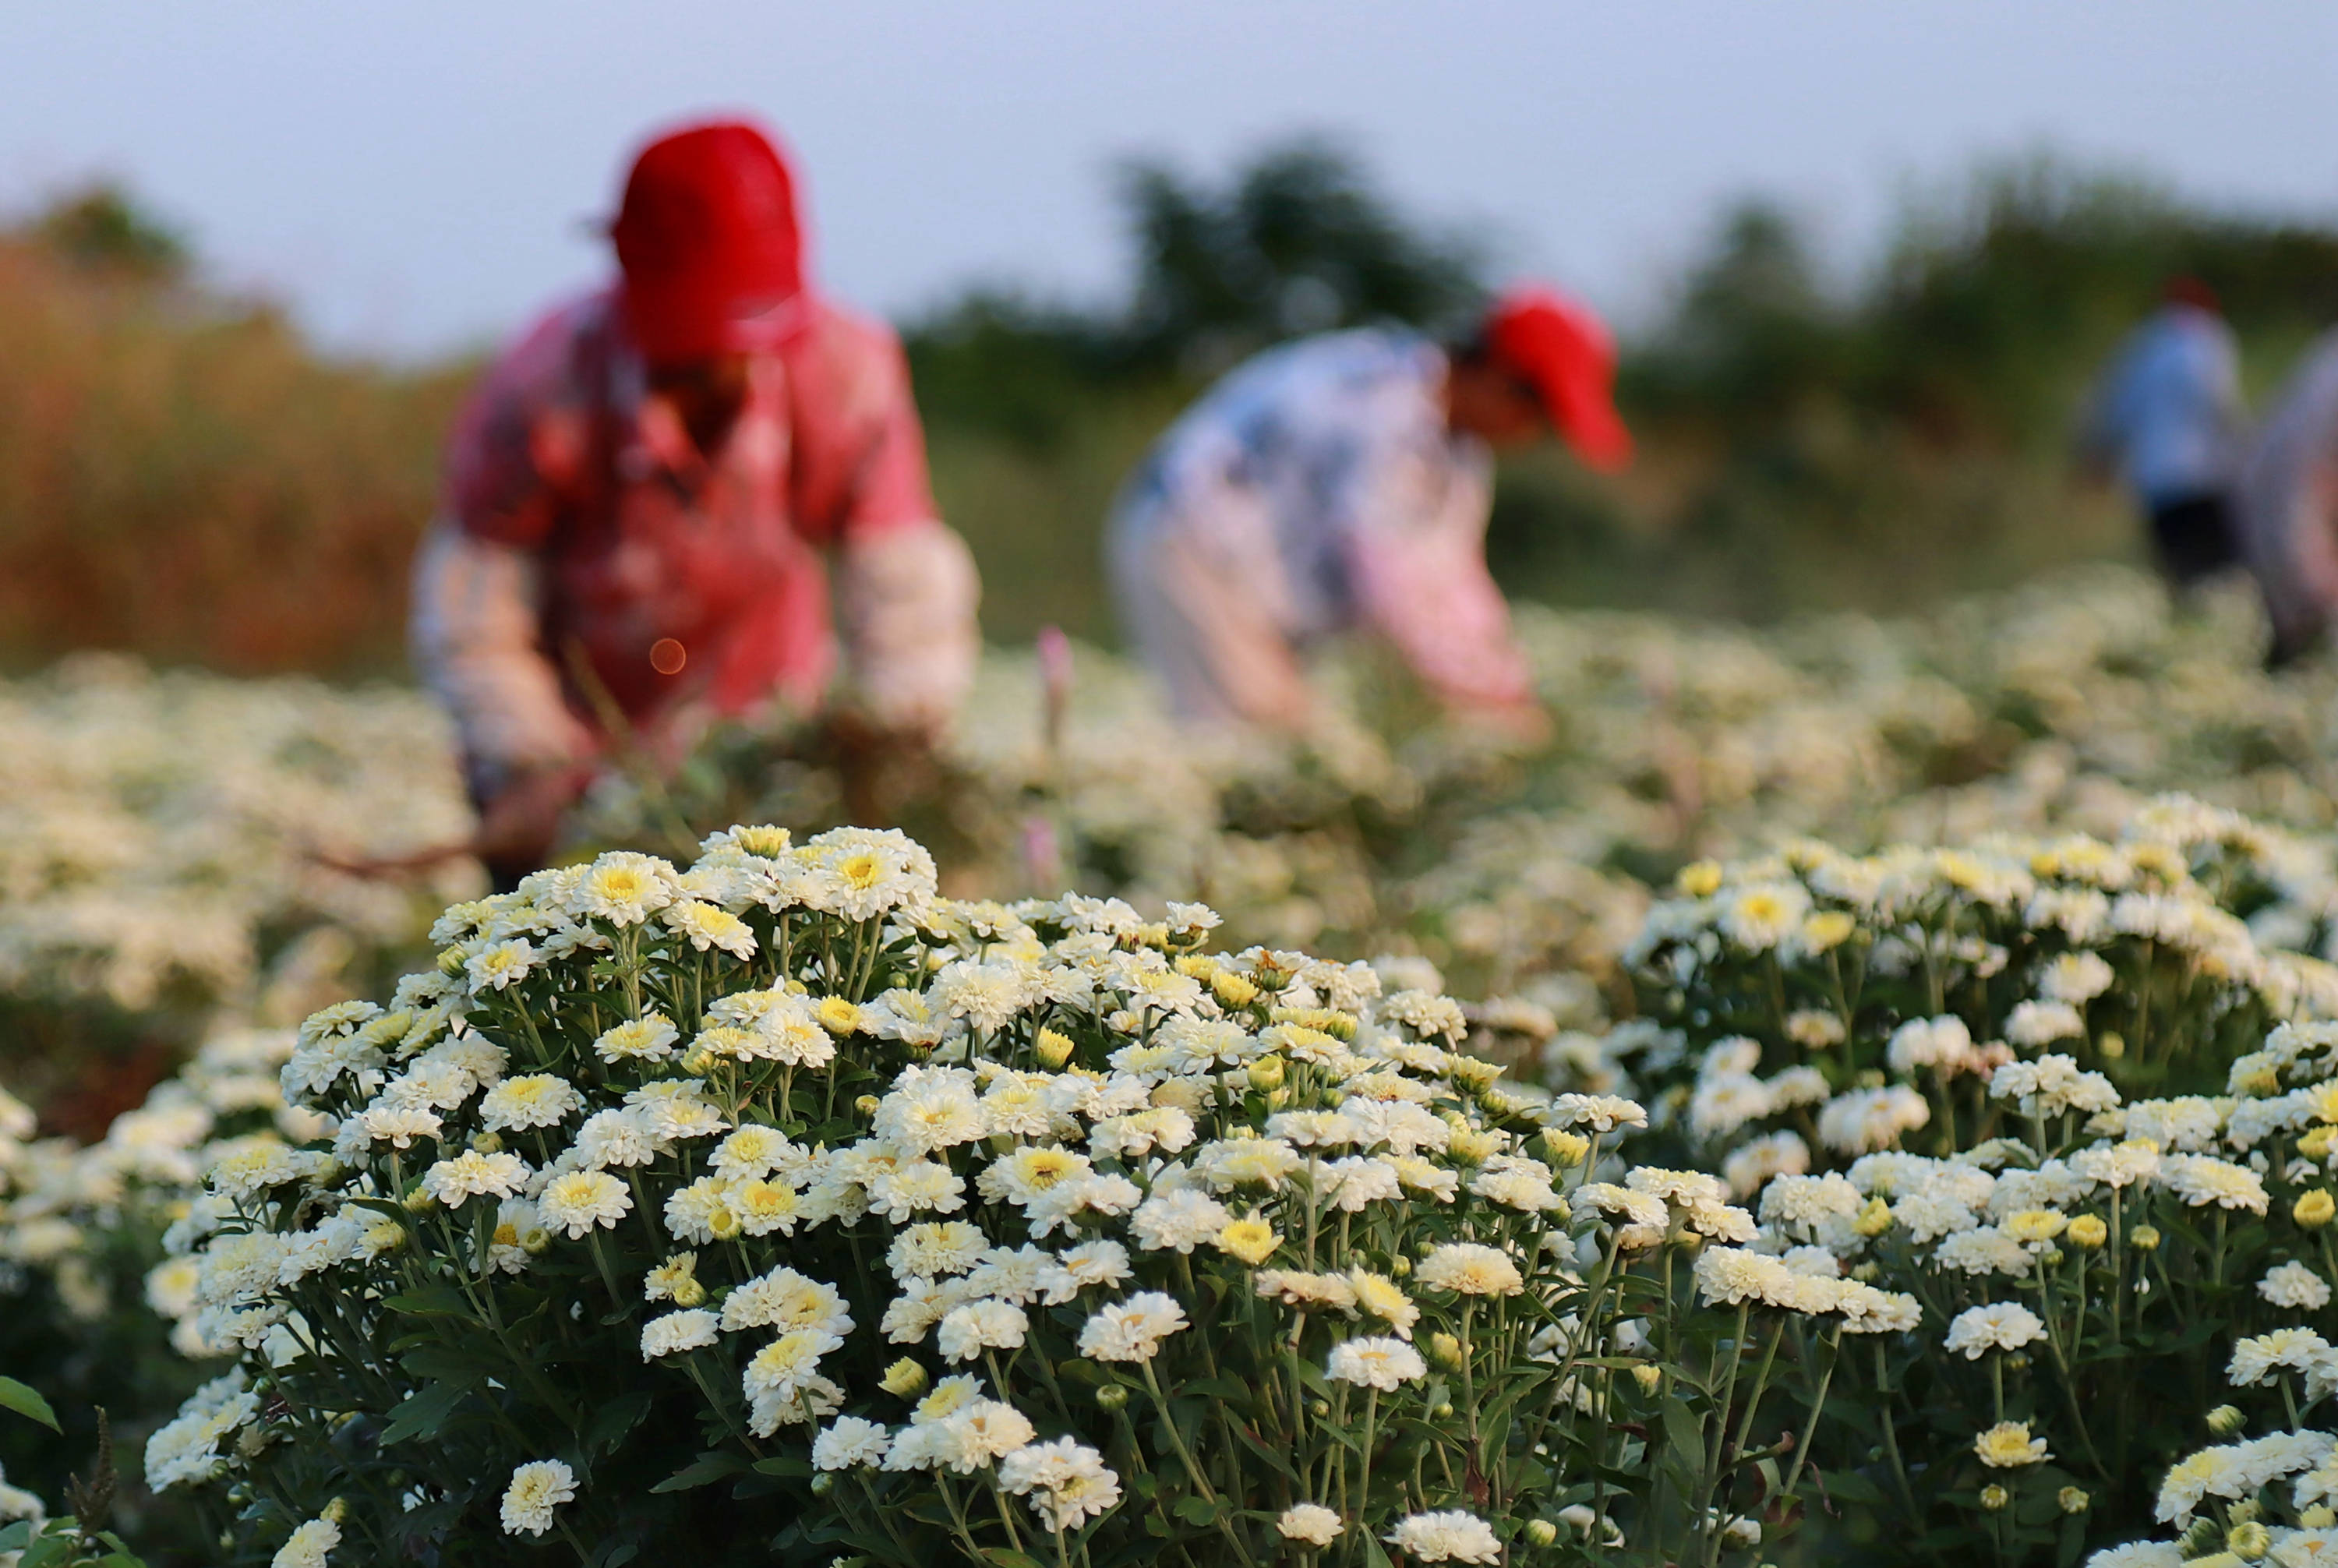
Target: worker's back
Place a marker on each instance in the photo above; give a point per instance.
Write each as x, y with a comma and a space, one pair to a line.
1284, 455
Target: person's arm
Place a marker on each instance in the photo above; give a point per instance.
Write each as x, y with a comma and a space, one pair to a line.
477, 627
906, 584
477, 637
1415, 532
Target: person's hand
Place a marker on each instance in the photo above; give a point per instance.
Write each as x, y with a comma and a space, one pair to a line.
519, 823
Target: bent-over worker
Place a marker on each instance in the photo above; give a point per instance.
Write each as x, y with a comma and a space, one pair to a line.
1342, 483
643, 493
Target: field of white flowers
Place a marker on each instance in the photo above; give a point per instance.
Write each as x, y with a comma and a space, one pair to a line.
1862, 1093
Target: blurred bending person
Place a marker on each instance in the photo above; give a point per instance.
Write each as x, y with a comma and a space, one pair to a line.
1342, 483
2288, 512
644, 495
2168, 415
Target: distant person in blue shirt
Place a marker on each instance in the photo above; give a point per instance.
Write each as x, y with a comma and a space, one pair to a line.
2168, 417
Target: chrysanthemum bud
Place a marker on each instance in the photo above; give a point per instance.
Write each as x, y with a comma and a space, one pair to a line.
1278, 1099
2144, 1238
1445, 1351
2313, 1210
1399, 1265
2316, 1144
1053, 1047
335, 1512
487, 1142
904, 1379
698, 1062
2088, 1232
2198, 1537
1541, 1531
535, 1241
1699, 879
1874, 1217
2249, 1541
450, 962
823, 1484
1319, 1408
419, 1202
2224, 1420
690, 1293
1648, 1376
1443, 1411
723, 1223
1267, 1074
866, 1105
2110, 1044
1233, 990
1112, 1397
1567, 1150
2071, 1500
1994, 1497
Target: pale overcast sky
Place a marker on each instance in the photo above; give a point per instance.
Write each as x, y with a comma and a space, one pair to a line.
417, 175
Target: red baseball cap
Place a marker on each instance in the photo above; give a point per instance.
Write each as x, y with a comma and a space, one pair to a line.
1560, 347
709, 244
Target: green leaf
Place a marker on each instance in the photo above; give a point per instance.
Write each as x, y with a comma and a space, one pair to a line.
617, 1418
50, 1550
702, 1471
423, 1412
1197, 1510
431, 1302
1007, 1557
784, 1464
13, 1537
26, 1401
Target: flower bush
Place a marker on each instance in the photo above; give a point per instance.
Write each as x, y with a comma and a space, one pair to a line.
1818, 1007
783, 1203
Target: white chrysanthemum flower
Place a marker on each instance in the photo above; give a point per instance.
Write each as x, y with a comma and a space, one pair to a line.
2003, 1326
1133, 1329
534, 1099
472, 1174
1448, 1535
624, 888
1067, 1482
1469, 1268
707, 926
582, 1200
967, 1331
849, 1441
498, 964
1178, 1220
536, 1490
311, 1545
2201, 1179
1599, 1112
2294, 1285
930, 1109
648, 1038
784, 1299
676, 1332
1309, 1523
2256, 1359
1373, 1362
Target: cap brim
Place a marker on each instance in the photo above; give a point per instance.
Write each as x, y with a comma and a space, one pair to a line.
1585, 417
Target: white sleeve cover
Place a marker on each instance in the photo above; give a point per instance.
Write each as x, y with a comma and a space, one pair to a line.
905, 598
476, 638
